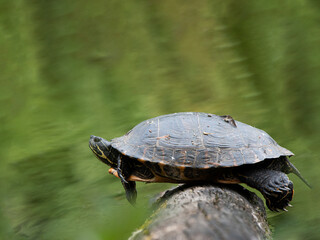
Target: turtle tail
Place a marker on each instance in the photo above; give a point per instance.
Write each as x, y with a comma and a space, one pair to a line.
294, 170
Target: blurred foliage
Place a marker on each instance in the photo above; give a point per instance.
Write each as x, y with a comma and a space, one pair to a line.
70, 69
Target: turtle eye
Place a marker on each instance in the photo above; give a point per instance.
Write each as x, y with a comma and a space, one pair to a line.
96, 139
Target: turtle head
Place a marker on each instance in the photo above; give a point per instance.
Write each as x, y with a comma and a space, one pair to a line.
102, 149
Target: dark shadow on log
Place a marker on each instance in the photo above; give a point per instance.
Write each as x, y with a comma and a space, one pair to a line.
206, 212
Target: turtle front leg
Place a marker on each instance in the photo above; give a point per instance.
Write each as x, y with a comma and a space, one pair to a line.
274, 185
131, 192
129, 186
123, 172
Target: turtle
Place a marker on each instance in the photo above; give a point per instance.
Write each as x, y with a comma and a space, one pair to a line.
190, 147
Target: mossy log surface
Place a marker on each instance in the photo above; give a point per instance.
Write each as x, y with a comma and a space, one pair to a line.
206, 212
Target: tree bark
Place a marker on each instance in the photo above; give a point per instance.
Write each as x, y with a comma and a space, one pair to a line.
206, 212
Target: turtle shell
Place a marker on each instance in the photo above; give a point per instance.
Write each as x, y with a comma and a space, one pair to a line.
198, 140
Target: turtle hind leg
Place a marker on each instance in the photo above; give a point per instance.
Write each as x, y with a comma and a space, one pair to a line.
274, 185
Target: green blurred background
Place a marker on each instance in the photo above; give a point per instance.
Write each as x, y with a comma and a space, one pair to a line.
69, 69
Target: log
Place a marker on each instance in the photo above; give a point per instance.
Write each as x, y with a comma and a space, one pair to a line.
206, 212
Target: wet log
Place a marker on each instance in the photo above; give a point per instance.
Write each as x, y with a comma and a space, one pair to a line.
206, 212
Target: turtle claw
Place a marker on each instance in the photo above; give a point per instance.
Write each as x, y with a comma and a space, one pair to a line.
121, 176
117, 173
276, 191
119, 170
289, 205
287, 189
